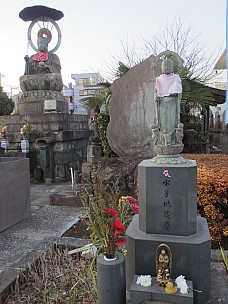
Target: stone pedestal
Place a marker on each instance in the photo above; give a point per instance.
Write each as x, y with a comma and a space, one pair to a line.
94, 153
156, 294
167, 199
41, 101
58, 142
191, 256
167, 196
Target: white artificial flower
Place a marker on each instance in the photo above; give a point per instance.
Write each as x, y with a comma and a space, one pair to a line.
181, 278
182, 284
144, 280
184, 288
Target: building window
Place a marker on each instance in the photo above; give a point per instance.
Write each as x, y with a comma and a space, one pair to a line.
87, 92
83, 93
86, 81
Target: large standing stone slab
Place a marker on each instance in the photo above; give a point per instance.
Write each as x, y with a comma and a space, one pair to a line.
132, 111
167, 196
14, 191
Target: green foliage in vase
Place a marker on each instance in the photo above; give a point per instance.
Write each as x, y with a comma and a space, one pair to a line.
107, 216
26, 129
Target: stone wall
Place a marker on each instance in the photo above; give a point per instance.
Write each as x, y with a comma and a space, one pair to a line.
14, 191
64, 137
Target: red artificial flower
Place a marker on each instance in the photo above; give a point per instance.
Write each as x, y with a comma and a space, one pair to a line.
120, 242
84, 218
117, 226
111, 212
94, 117
135, 208
131, 199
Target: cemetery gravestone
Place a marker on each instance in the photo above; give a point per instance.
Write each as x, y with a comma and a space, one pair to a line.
167, 198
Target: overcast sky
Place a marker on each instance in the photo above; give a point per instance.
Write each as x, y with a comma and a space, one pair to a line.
92, 30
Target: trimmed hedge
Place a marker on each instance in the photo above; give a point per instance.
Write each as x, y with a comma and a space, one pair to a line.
212, 192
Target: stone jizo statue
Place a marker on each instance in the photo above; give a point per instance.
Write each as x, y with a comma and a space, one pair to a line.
42, 70
42, 62
42, 82
167, 130
168, 95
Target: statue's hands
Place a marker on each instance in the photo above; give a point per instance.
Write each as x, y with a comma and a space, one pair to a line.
41, 64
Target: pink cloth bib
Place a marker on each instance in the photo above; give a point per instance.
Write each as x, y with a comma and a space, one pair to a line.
41, 56
167, 84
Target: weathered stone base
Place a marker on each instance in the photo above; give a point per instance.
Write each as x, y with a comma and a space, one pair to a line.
65, 198
172, 149
191, 256
57, 143
33, 102
156, 294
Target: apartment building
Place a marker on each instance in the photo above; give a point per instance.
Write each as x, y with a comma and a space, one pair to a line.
86, 85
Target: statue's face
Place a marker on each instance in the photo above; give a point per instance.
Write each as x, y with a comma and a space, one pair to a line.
42, 44
167, 66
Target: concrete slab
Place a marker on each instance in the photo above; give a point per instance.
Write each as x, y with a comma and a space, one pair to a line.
42, 228
40, 192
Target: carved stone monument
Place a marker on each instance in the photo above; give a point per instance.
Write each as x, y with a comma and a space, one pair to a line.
167, 199
132, 112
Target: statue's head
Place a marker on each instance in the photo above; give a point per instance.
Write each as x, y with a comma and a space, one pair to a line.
167, 66
42, 44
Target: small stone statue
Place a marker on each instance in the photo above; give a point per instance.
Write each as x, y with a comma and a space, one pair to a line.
42, 70
163, 264
168, 88
167, 129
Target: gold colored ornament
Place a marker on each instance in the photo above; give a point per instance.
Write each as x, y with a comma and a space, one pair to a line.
163, 264
170, 289
46, 32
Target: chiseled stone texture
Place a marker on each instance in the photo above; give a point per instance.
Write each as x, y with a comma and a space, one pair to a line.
132, 111
65, 136
191, 256
168, 203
